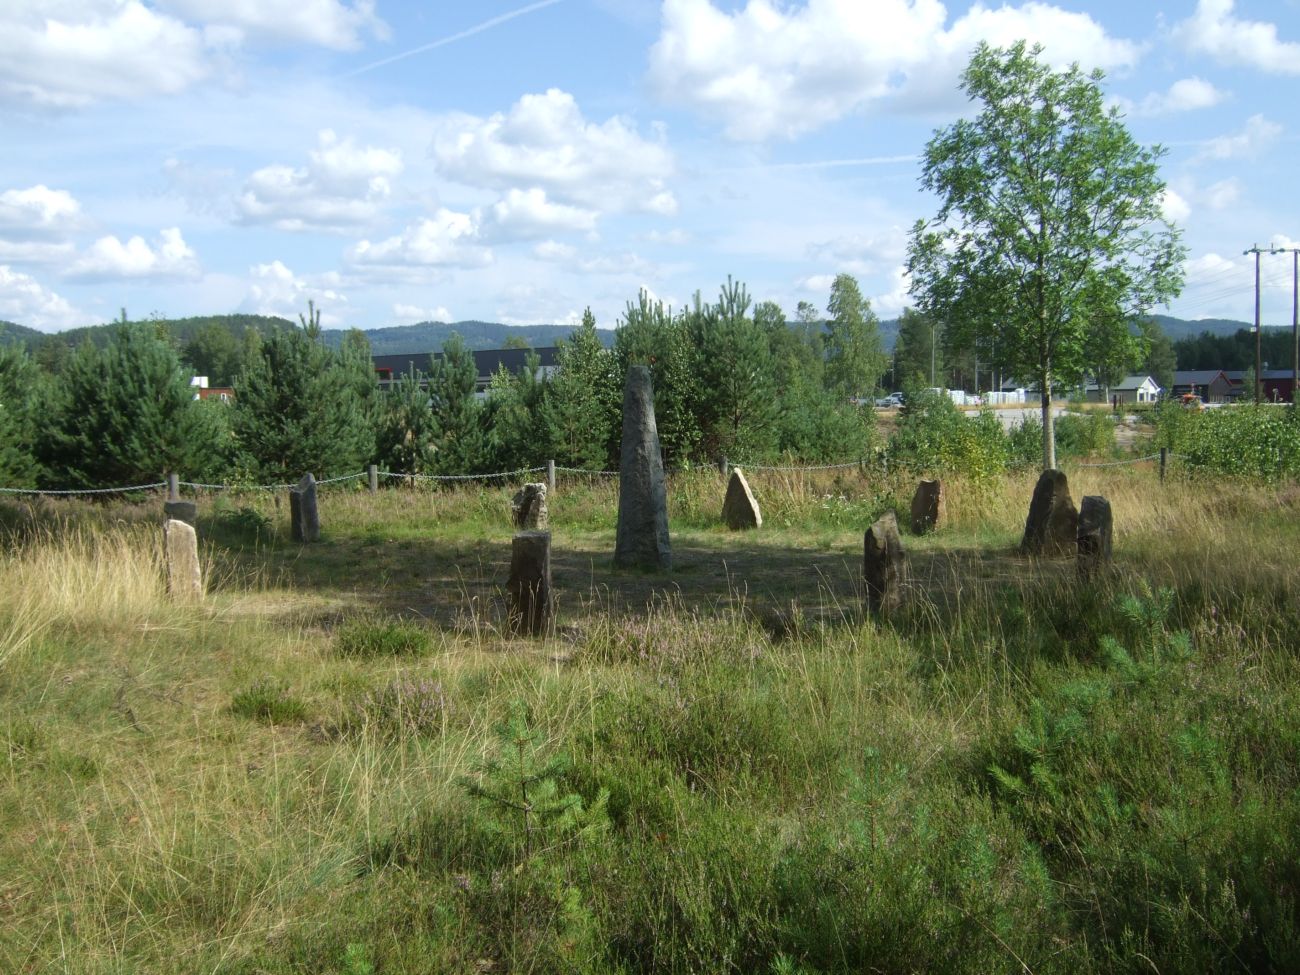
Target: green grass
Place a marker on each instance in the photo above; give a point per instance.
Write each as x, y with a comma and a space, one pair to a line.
731, 769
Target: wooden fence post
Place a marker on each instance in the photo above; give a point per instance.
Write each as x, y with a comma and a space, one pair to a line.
373, 473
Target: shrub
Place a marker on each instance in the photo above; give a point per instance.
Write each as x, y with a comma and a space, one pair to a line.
933, 435
368, 638
270, 702
1256, 441
401, 708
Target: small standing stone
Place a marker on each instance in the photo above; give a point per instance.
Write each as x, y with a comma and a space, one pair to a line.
1096, 532
181, 555
883, 565
186, 511
642, 538
925, 507
529, 587
740, 508
303, 513
1053, 523
528, 508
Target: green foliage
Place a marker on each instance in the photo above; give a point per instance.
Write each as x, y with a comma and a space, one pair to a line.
270, 702
520, 434
126, 414
365, 638
648, 334
407, 432
403, 707
519, 787
855, 359
1088, 434
918, 358
1246, 440
299, 407
934, 436
1049, 236
583, 401
215, 351
1161, 361
23, 394
462, 439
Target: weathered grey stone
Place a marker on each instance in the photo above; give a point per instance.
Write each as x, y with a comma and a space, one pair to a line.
883, 565
181, 557
1096, 532
1053, 522
925, 507
529, 587
304, 516
740, 508
186, 511
642, 538
528, 508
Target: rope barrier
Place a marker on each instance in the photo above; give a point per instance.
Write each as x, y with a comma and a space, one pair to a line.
815, 467
1121, 463
110, 490
462, 477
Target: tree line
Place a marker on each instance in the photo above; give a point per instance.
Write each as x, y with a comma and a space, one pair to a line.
731, 378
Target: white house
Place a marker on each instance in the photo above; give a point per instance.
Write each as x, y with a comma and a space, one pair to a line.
1130, 389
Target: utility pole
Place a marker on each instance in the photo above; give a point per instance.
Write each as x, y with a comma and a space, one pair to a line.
1259, 370
1295, 326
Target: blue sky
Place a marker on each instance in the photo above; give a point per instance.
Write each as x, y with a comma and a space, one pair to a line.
517, 162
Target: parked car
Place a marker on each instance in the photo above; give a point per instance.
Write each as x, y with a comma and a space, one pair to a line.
891, 402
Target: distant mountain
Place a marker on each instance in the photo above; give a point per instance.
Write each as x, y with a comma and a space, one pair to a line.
12, 334
430, 336
1181, 328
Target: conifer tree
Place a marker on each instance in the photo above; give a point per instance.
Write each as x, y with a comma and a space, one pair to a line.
519, 424
127, 414
297, 409
22, 391
462, 444
582, 401
648, 334
408, 431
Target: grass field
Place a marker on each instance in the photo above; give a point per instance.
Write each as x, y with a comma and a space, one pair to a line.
339, 764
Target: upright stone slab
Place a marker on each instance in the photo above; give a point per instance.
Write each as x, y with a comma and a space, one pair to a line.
740, 508
186, 511
1095, 537
303, 513
529, 587
181, 557
642, 539
883, 566
1053, 523
925, 507
528, 508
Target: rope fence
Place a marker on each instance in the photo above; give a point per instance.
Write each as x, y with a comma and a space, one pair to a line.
549, 470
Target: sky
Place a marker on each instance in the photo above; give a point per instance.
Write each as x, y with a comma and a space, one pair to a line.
398, 161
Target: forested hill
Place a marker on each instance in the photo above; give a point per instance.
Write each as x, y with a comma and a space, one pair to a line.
430, 336
11, 334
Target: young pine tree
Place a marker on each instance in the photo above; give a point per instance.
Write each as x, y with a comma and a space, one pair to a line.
127, 414
582, 401
462, 443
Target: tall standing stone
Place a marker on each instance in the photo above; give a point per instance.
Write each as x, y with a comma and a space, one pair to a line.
642, 539
883, 565
181, 557
304, 516
925, 507
739, 507
1096, 533
529, 587
1053, 522
528, 508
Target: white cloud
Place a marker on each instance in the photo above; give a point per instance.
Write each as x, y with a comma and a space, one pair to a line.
672, 238
38, 212
1174, 208
108, 258
34, 252
528, 213
1258, 134
1184, 95
343, 185
1222, 194
862, 254
544, 141
1213, 30
329, 23
275, 290
892, 302
553, 250
24, 300
770, 71
448, 239
414, 314
76, 52
816, 283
